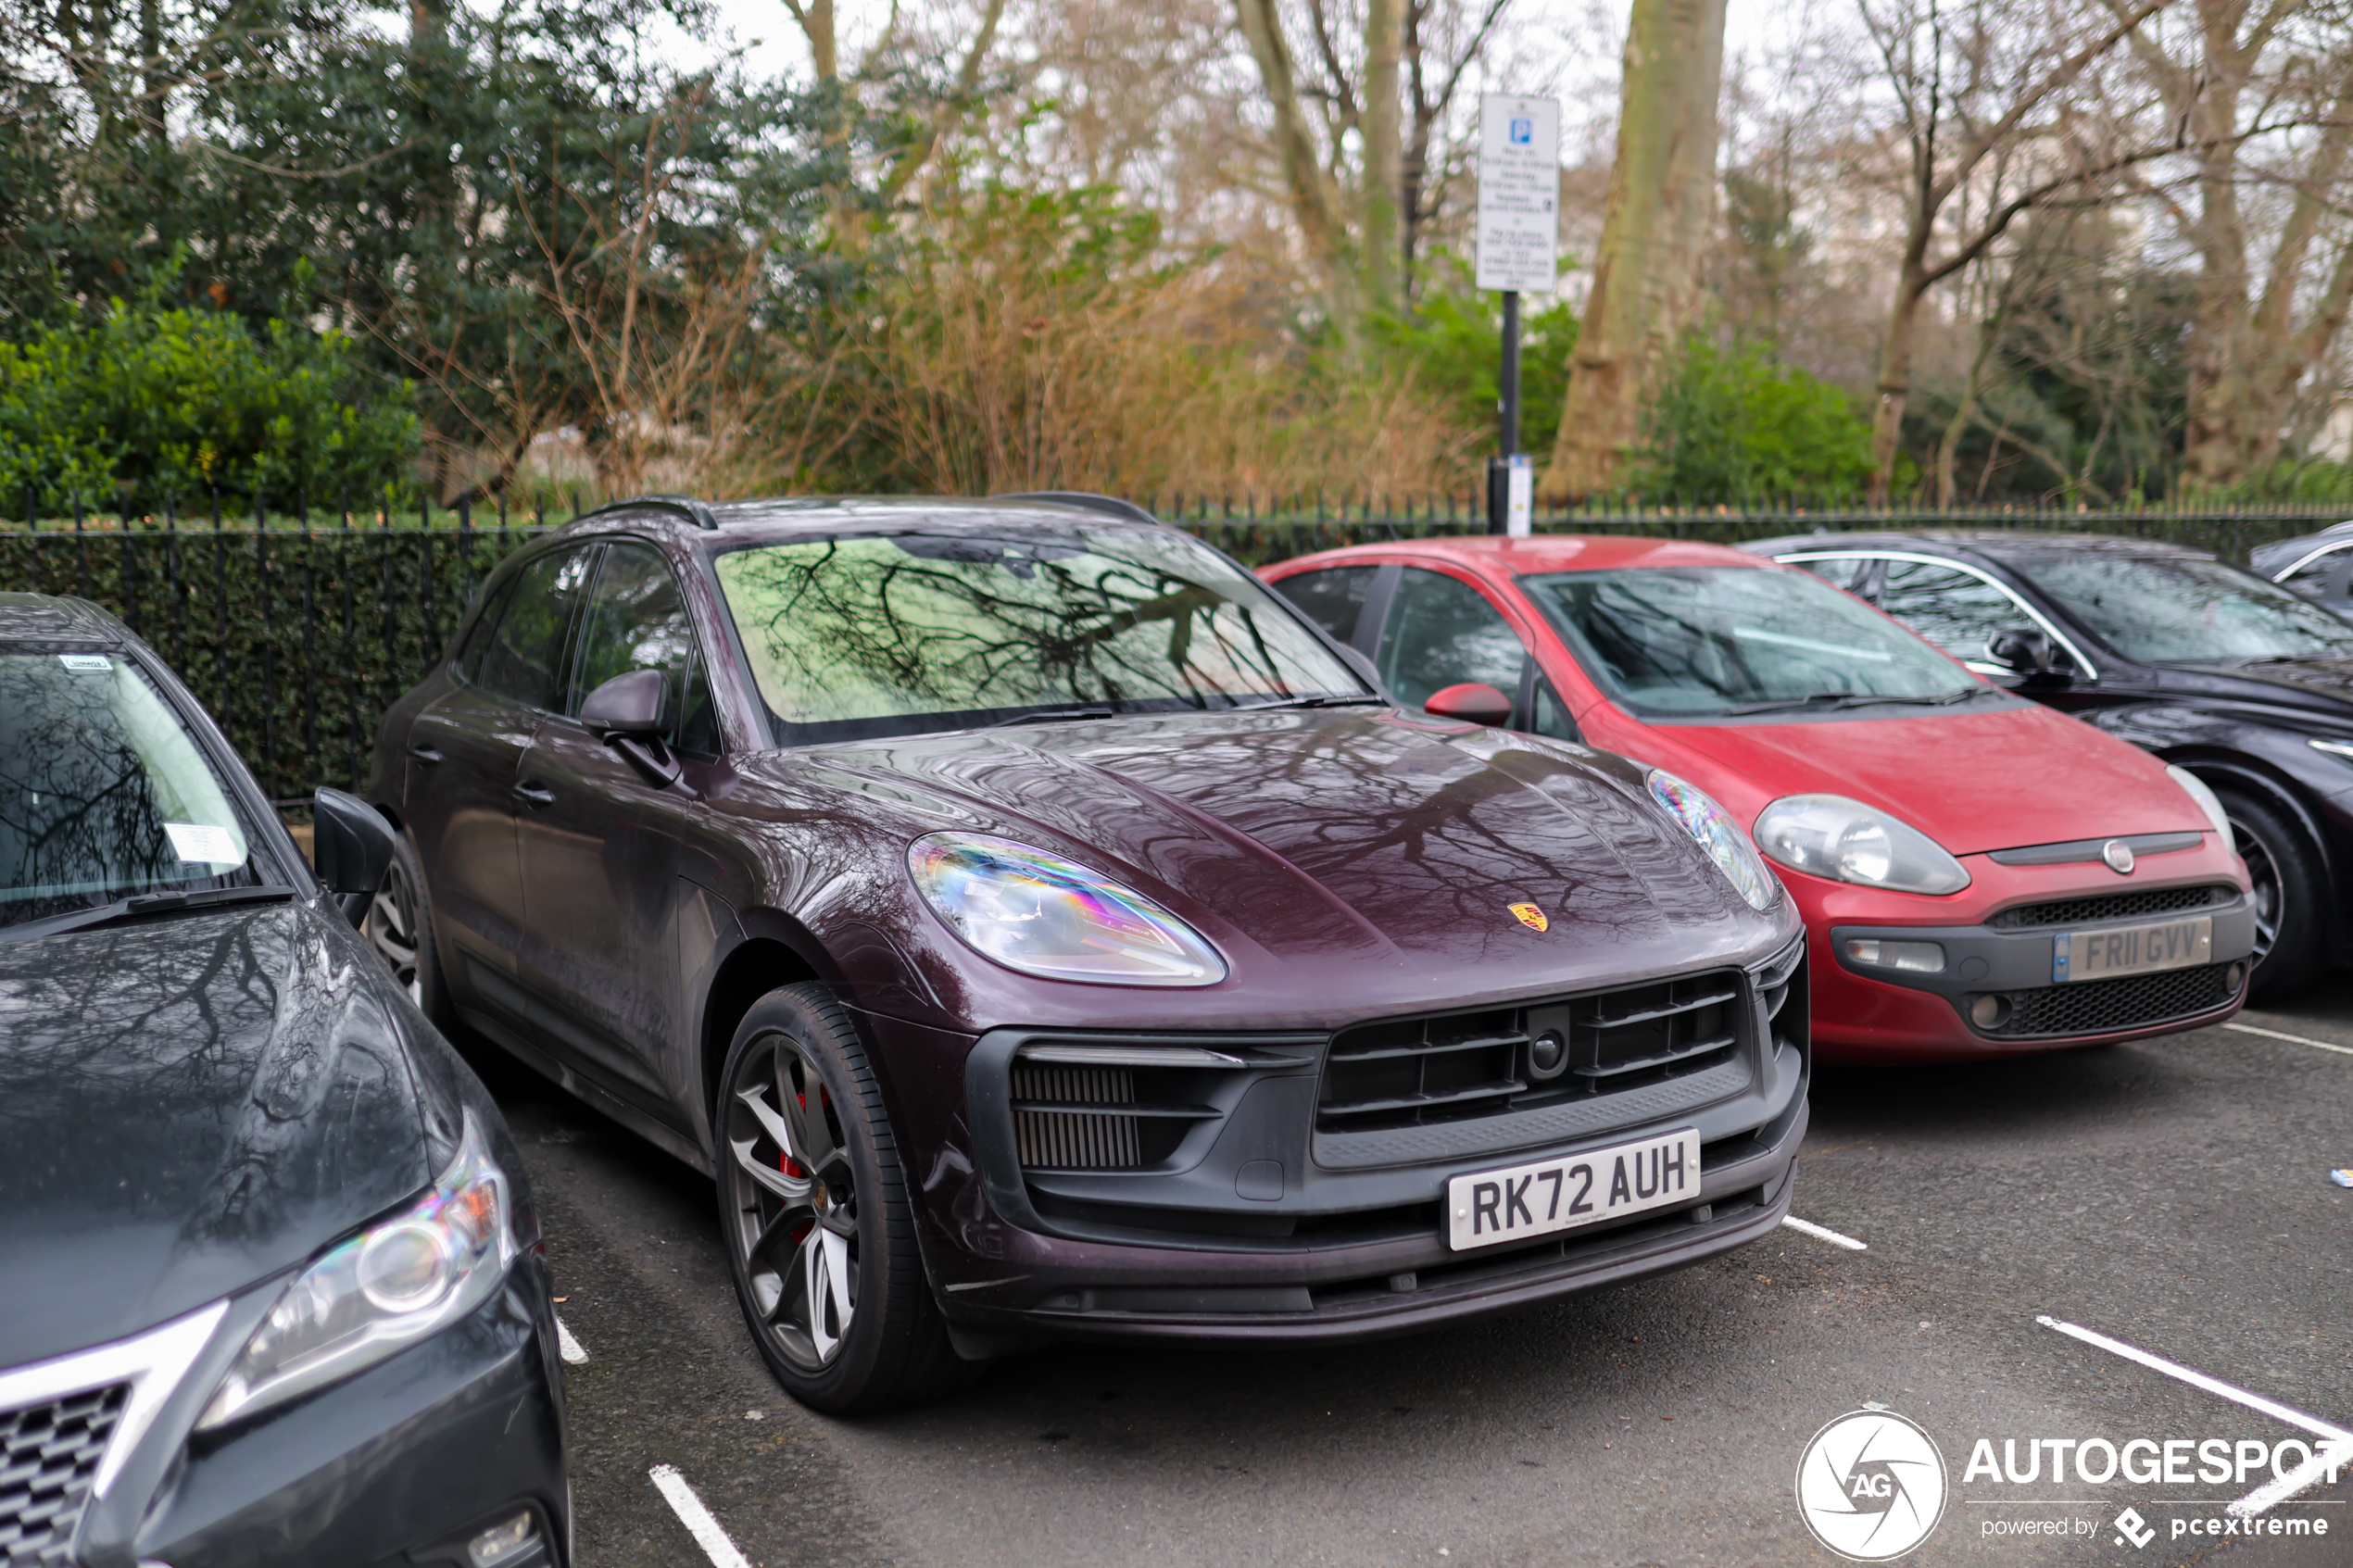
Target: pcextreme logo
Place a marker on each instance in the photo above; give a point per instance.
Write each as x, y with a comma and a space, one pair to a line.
1871, 1485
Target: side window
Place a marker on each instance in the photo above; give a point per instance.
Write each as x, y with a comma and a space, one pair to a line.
637, 620
1441, 632
1952, 609
1841, 571
524, 660
2313, 577
478, 636
1333, 599
1551, 716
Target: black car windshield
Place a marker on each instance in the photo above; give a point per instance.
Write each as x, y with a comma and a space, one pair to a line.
104, 794
892, 633
1713, 640
2187, 609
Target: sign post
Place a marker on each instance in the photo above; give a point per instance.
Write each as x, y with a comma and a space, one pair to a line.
1519, 154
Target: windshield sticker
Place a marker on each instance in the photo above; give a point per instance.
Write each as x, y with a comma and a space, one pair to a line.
91, 663
203, 843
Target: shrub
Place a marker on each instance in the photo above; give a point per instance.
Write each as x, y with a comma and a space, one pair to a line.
144, 405
1732, 423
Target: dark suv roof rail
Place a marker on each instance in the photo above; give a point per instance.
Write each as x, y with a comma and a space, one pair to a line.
694, 511
1088, 498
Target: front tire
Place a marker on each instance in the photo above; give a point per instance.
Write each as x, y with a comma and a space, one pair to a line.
814, 1205
2290, 895
399, 927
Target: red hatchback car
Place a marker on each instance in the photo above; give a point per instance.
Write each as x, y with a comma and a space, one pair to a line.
1983, 875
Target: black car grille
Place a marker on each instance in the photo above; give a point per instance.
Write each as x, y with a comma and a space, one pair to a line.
1096, 1118
2100, 1007
1453, 1066
48, 1455
2111, 906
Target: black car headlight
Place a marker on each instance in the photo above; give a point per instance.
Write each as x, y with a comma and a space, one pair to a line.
400, 1280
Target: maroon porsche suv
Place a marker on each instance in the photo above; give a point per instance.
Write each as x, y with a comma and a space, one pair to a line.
1039, 929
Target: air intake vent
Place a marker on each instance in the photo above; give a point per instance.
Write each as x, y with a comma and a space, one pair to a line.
1053, 1129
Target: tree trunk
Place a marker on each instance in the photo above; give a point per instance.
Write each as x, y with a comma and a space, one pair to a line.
1654, 236
1314, 201
1384, 152
1894, 382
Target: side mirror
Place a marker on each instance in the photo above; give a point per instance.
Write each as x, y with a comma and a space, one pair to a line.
635, 704
352, 844
1475, 702
629, 713
2027, 651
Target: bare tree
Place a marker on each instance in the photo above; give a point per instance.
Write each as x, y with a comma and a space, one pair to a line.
1967, 87
1654, 236
2236, 74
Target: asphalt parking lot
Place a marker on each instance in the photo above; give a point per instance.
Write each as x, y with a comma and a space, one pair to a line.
2170, 1197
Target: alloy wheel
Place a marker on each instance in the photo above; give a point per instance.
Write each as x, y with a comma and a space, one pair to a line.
794, 1201
392, 927
2263, 873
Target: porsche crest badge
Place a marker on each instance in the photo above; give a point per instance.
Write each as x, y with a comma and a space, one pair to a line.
1532, 917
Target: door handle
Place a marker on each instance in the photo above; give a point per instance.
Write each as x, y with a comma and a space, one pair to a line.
533, 794
424, 753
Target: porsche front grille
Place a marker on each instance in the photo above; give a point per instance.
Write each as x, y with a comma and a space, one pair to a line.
49, 1454
1407, 1072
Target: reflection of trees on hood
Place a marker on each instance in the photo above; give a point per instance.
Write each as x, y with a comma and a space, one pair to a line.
853, 628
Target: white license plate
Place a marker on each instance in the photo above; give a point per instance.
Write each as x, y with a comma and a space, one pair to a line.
2132, 949
1520, 1201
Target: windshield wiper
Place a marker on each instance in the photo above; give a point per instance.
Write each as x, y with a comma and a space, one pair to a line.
145, 904
1054, 716
1856, 699
1317, 699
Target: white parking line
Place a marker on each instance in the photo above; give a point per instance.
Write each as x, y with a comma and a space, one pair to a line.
568, 1345
1823, 1233
696, 1518
2292, 1039
2336, 1448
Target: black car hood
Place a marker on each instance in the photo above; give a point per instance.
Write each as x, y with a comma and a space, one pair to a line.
2311, 685
187, 1105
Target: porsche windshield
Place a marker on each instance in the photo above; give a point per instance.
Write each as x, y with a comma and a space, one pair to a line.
103, 795
2188, 609
891, 633
1709, 640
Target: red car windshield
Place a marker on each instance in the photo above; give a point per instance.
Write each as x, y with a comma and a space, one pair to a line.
1689, 641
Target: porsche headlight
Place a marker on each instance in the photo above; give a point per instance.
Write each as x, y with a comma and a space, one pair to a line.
1716, 834
396, 1281
2208, 802
1847, 841
1042, 915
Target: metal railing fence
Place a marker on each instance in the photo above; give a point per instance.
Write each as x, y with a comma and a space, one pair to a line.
297, 629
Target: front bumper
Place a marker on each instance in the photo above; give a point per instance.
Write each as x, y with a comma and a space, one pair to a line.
1878, 1012
395, 1467
1261, 1224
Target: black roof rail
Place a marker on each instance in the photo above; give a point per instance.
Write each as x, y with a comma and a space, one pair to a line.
1087, 498
694, 511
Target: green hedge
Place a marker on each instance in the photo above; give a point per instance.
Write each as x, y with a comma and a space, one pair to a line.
295, 643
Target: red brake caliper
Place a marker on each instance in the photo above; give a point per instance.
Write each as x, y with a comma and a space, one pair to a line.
791, 1167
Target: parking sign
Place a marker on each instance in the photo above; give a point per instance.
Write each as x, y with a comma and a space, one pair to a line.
1519, 144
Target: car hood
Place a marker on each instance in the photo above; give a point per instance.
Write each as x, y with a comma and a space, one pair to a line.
1352, 846
1995, 778
191, 1105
